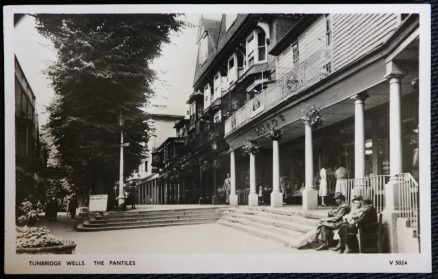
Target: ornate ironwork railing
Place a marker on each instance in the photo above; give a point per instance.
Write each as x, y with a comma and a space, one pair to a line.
289, 82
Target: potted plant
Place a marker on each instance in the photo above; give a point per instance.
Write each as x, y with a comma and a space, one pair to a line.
250, 146
313, 115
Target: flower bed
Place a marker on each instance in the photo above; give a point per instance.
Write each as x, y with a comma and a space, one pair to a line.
39, 240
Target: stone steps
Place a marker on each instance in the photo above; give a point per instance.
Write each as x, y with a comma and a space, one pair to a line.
157, 221
281, 217
150, 218
258, 225
288, 227
272, 222
82, 228
163, 212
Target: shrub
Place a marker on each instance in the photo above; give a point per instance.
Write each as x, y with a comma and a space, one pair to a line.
34, 237
29, 216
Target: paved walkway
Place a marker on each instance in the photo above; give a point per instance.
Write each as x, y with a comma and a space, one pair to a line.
204, 238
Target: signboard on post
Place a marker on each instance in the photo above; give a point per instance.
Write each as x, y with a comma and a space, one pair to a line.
98, 202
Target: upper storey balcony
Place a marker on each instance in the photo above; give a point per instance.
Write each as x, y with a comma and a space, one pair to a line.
289, 82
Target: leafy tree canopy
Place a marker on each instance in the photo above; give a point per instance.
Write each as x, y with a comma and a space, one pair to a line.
102, 71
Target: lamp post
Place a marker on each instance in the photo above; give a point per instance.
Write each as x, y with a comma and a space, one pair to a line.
121, 197
214, 147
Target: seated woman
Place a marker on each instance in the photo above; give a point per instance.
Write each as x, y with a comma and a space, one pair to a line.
349, 220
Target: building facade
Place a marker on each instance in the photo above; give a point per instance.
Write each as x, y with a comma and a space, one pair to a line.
279, 97
30, 157
360, 74
163, 127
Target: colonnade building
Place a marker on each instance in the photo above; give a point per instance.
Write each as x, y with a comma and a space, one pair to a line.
297, 93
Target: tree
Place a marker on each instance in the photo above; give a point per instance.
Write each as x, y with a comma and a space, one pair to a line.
102, 71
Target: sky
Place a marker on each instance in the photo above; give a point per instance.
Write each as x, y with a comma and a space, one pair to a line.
175, 68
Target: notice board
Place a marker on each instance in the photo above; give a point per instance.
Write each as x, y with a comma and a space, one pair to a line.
98, 202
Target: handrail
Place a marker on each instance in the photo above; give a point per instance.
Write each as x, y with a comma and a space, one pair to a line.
409, 205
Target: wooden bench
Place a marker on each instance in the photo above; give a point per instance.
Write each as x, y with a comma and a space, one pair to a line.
371, 233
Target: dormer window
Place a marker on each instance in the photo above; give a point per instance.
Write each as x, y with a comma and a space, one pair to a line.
203, 49
229, 19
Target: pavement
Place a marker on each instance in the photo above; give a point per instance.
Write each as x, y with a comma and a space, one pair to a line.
202, 238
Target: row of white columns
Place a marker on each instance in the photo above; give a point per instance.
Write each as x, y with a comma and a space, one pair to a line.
159, 193
155, 192
310, 194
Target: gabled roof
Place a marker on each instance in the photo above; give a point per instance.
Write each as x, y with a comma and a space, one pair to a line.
218, 37
211, 26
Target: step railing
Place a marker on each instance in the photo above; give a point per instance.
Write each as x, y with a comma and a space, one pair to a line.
409, 200
370, 187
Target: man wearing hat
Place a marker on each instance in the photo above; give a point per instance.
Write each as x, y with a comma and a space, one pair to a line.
348, 231
333, 222
349, 220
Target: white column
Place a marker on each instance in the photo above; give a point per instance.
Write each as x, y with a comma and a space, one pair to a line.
359, 135
253, 198
156, 192
391, 211
310, 194
395, 127
233, 197
276, 195
121, 197
179, 193
309, 156
166, 192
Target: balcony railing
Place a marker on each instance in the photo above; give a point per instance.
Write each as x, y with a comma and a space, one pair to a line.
289, 82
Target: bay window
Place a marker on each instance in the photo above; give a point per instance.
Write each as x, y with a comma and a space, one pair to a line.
232, 70
256, 47
217, 118
217, 85
207, 96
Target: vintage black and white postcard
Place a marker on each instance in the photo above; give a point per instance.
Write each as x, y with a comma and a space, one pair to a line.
217, 138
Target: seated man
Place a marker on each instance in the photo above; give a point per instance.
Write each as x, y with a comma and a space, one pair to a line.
328, 225
367, 215
349, 219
